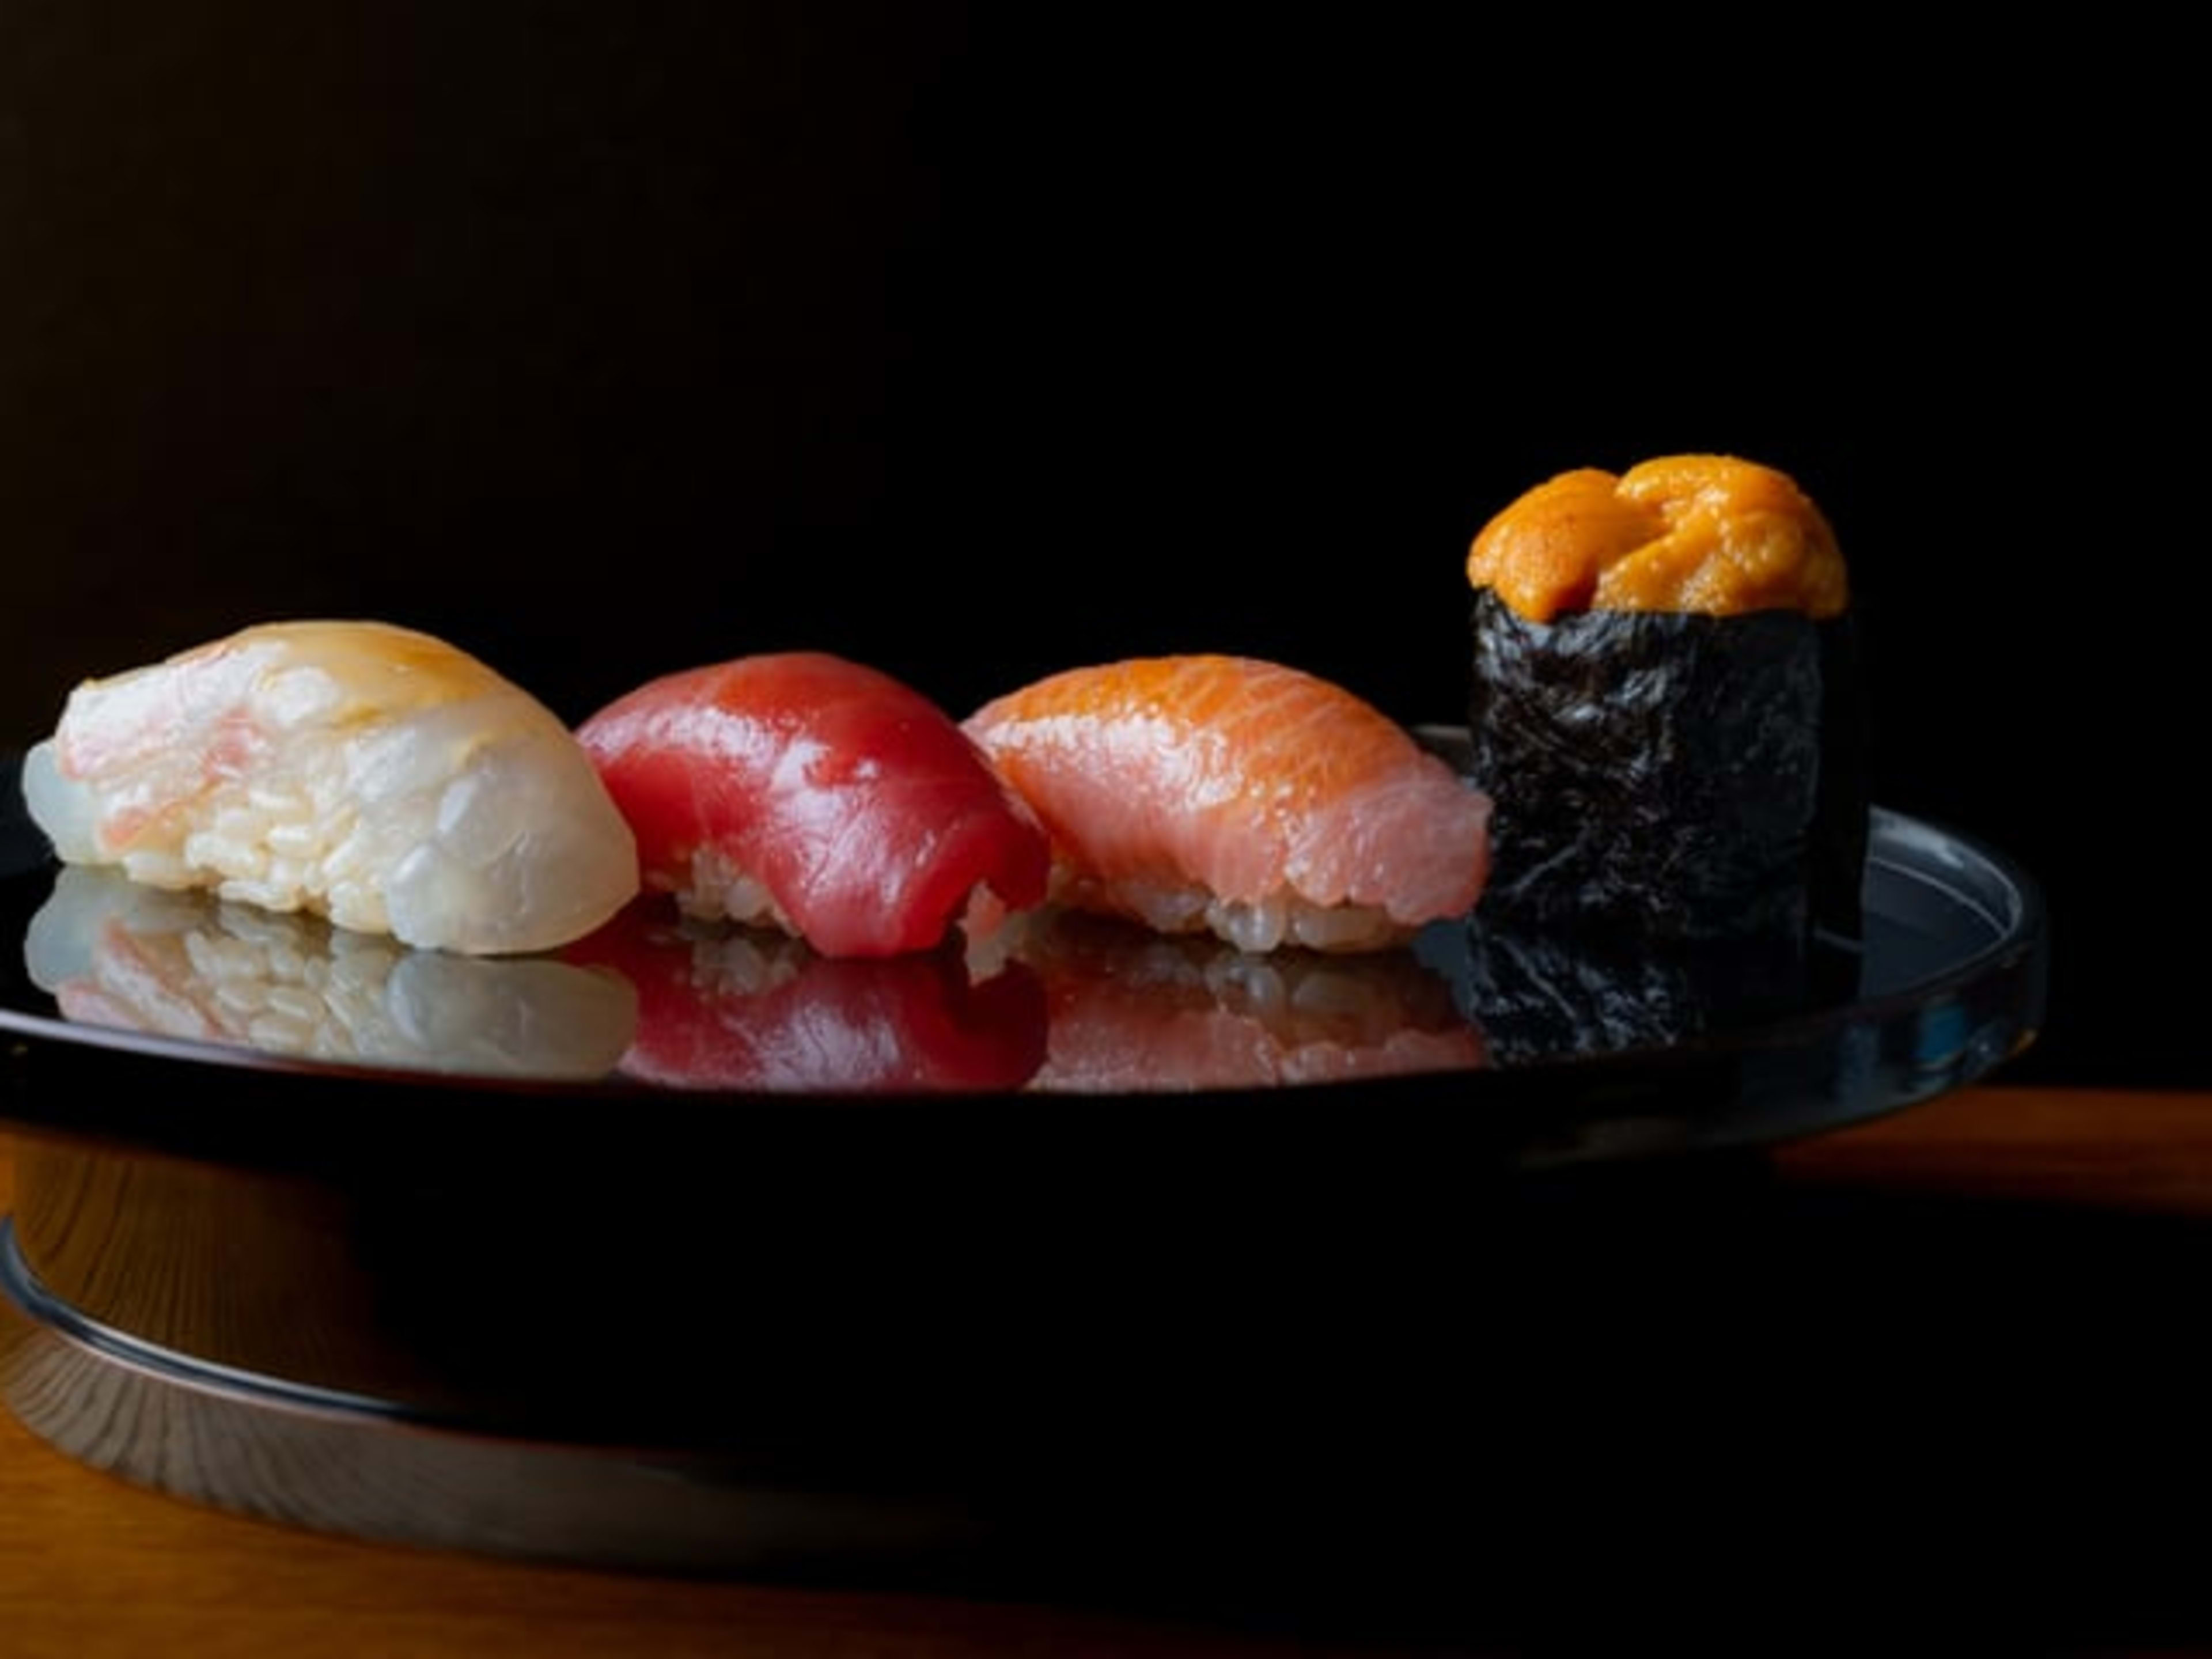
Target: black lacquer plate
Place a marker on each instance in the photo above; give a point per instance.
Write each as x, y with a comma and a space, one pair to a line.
221, 1027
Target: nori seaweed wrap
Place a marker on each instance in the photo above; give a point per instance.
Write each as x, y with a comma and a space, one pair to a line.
1676, 776
1662, 709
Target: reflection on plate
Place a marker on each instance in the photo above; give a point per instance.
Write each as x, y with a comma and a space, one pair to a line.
744, 1009
1543, 997
113, 953
1055, 1003
1133, 1013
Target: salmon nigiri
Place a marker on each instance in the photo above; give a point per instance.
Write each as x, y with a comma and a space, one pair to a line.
800, 790
1239, 797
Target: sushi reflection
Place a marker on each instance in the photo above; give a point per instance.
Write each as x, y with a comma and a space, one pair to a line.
116, 953
721, 1005
1133, 1010
1544, 994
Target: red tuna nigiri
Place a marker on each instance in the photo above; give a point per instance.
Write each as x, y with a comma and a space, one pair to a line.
818, 794
1256, 801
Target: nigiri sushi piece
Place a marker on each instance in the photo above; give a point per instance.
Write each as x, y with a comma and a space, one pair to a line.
1663, 697
369, 773
1240, 797
805, 791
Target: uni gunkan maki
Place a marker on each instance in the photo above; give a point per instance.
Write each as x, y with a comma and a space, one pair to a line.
1662, 707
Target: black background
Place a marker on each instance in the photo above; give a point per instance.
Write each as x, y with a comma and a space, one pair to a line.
975, 344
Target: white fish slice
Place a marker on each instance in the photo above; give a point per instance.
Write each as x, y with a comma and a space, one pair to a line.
367, 773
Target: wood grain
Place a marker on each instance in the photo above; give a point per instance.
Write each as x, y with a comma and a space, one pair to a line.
93, 1566
2145, 1151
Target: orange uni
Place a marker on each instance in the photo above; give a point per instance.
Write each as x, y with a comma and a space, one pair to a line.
1706, 533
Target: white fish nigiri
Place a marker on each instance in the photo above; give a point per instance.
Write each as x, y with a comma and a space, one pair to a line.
367, 773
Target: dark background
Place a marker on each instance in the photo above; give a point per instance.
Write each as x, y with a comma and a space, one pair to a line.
975, 344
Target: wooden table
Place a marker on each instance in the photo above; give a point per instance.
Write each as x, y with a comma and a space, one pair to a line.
2013, 1279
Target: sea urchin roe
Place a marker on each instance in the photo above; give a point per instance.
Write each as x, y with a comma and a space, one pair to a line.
1703, 533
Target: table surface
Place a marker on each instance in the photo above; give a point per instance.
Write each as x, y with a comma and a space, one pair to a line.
2071, 1226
